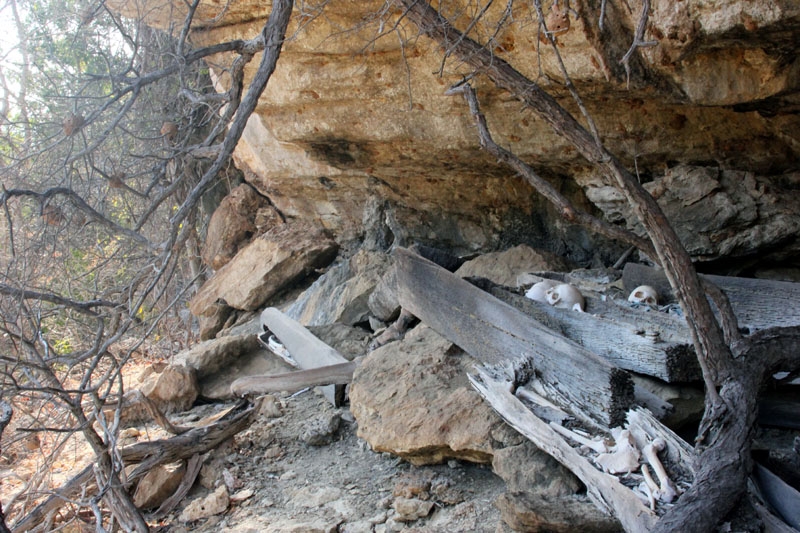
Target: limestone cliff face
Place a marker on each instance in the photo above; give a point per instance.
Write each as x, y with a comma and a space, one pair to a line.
356, 116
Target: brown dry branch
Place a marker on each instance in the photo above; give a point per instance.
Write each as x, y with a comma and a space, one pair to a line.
5, 417
731, 384
195, 441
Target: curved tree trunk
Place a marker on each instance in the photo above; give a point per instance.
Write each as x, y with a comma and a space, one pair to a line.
731, 384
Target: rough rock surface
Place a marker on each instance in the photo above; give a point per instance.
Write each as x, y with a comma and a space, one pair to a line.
158, 485
341, 294
719, 86
719, 212
270, 263
215, 503
209, 357
174, 388
232, 225
505, 267
412, 398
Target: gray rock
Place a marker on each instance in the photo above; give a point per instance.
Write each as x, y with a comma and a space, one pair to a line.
321, 429
410, 509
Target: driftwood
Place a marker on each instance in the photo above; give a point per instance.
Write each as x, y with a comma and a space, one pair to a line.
603, 489
758, 303
650, 343
511, 343
306, 349
338, 374
149, 454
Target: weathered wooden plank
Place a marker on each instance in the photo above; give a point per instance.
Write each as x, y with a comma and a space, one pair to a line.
603, 489
757, 303
632, 339
306, 349
509, 342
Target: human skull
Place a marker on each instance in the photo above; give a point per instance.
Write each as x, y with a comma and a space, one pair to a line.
644, 294
565, 296
538, 292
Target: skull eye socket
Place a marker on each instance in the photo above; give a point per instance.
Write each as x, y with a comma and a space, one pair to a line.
638, 294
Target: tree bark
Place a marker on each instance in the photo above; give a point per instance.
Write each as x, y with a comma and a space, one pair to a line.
731, 384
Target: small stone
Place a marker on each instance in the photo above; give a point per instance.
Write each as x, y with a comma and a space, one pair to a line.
288, 475
242, 495
361, 526
320, 430
129, 433
410, 509
213, 504
271, 407
315, 496
273, 452
452, 463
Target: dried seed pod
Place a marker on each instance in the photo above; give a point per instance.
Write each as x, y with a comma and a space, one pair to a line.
72, 123
169, 130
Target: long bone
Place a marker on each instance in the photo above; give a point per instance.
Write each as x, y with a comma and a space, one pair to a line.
597, 445
667, 491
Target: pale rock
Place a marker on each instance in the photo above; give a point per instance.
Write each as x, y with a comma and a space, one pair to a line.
242, 495
217, 315
542, 475
207, 358
705, 203
314, 496
267, 265
310, 525
213, 504
158, 485
410, 509
383, 302
232, 225
359, 526
565, 514
505, 267
412, 398
321, 429
728, 83
173, 390
341, 294
270, 407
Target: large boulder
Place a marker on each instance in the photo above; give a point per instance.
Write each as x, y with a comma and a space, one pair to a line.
233, 224
269, 264
342, 123
341, 294
505, 267
412, 398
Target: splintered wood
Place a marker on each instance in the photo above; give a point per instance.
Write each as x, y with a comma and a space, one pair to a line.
512, 344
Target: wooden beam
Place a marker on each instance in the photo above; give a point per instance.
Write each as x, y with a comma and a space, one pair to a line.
513, 344
306, 349
603, 489
758, 303
646, 342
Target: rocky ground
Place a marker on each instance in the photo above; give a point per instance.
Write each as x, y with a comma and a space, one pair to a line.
301, 468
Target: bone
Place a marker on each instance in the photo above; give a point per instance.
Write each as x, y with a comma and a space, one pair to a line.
538, 292
667, 491
644, 294
649, 487
597, 445
565, 296
624, 456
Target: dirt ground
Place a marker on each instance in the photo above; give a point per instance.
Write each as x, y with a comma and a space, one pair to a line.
304, 477
298, 468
